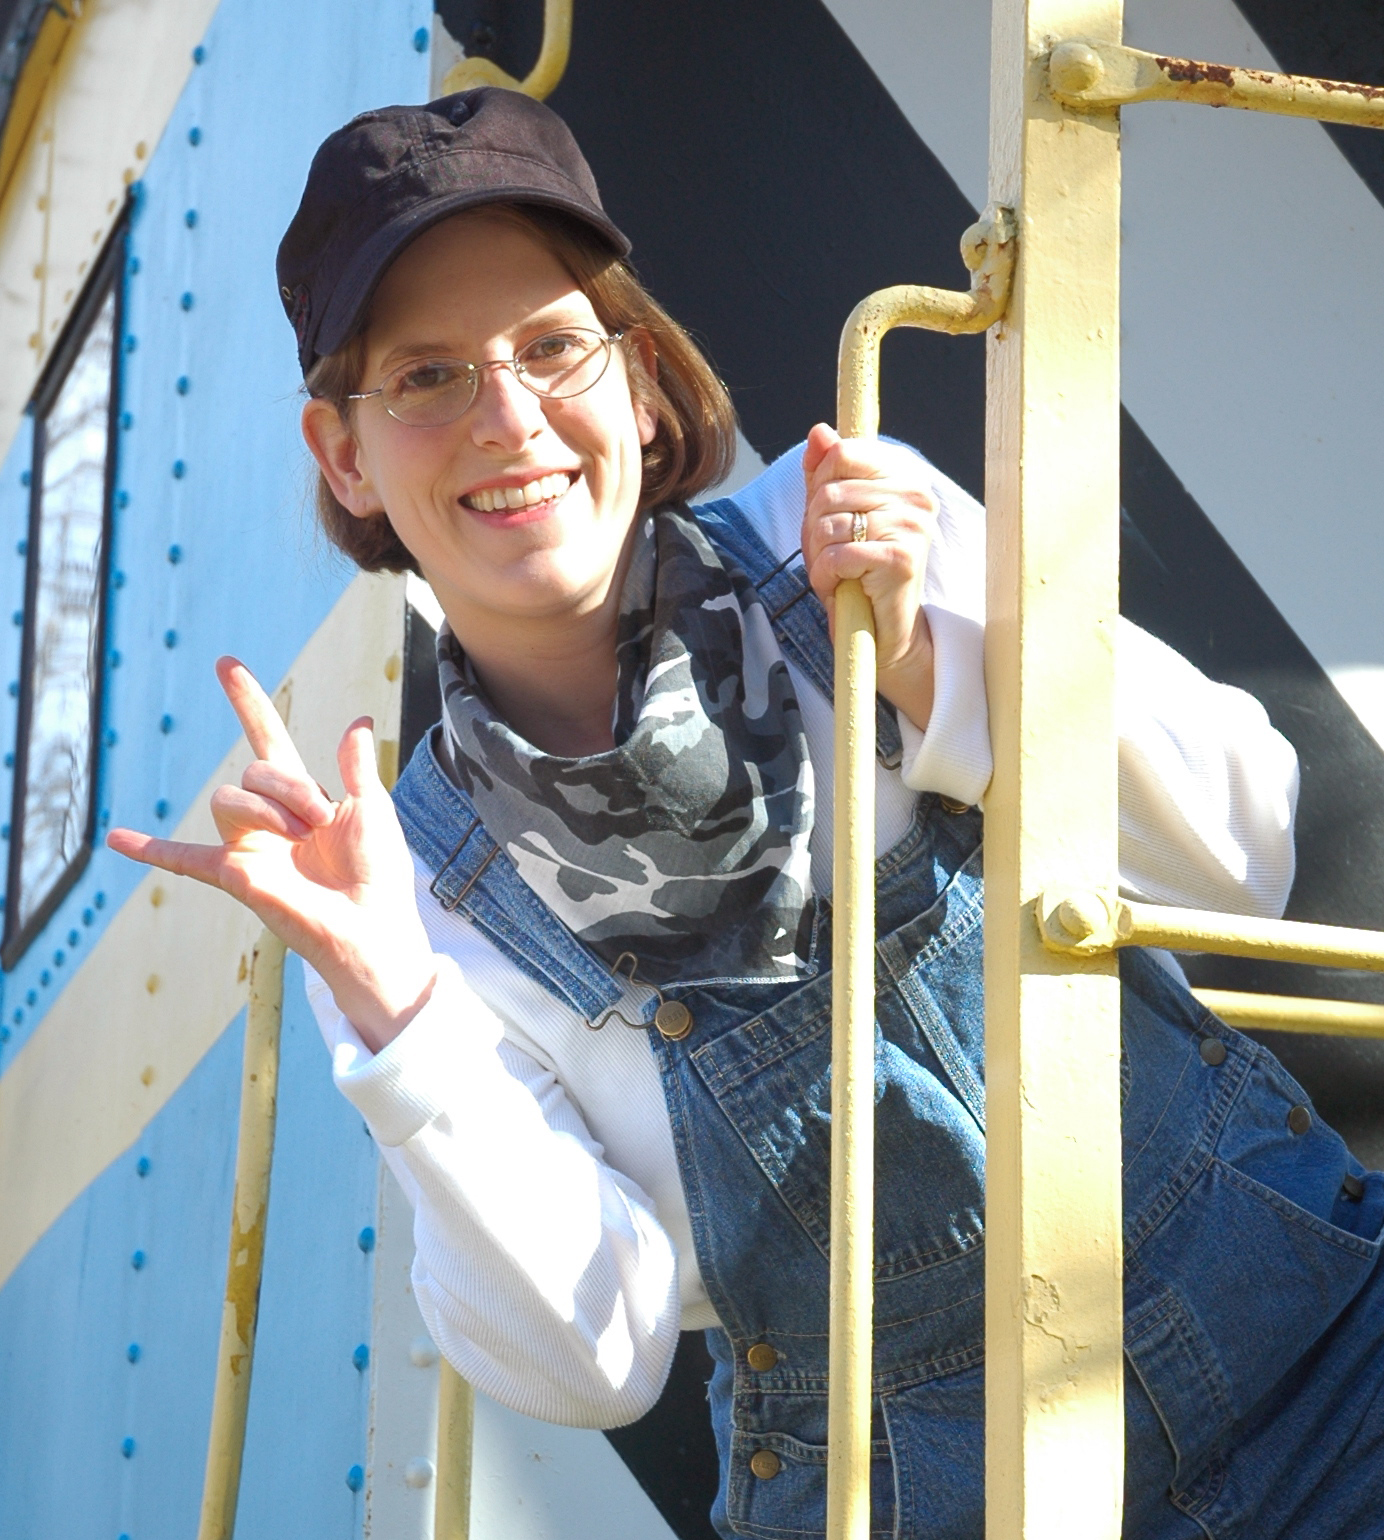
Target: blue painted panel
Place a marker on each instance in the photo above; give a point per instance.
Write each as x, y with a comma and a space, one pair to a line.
14, 526
71, 1313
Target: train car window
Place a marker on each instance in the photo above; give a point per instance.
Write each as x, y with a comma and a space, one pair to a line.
53, 821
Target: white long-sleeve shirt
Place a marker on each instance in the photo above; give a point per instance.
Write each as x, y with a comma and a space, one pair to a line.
554, 1260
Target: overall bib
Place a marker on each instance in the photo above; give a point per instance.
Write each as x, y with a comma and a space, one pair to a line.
1254, 1307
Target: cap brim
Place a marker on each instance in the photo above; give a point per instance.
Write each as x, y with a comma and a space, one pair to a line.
356, 287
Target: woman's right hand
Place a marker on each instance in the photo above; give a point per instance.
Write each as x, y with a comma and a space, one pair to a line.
333, 880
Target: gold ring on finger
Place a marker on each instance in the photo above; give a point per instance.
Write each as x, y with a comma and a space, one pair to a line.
859, 527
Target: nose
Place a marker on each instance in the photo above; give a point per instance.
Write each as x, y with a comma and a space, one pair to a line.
505, 414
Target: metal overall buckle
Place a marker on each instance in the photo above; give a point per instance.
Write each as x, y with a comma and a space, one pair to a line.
672, 1018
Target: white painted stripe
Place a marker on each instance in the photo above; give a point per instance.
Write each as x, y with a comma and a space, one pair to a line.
168, 974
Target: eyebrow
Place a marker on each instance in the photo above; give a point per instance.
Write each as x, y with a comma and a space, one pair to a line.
560, 317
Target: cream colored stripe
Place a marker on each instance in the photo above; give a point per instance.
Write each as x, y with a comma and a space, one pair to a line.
170, 971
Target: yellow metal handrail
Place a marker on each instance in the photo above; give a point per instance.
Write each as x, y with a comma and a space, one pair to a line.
1294, 1013
1108, 75
548, 69
988, 250
245, 1261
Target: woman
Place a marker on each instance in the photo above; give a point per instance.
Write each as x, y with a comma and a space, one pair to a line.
623, 821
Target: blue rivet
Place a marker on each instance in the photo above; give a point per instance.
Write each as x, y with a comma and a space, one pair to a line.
25, 478
9, 761
366, 1239
361, 1357
165, 723
117, 579
88, 918
110, 737
31, 997
117, 657
131, 342
14, 689
99, 900
4, 831
137, 1260
420, 40
142, 1166
186, 300
132, 1352
18, 617
74, 937
105, 818
22, 549
127, 420
122, 498
127, 1447
190, 218
179, 470
161, 808
194, 136
45, 978
59, 958
175, 554
184, 385
5, 1031
355, 1478
134, 266
198, 54
170, 638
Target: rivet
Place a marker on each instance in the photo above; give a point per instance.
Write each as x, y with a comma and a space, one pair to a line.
418, 1473
59, 958
18, 617
361, 1357
142, 1166
170, 638
24, 479
22, 549
18, 1017
44, 977
14, 689
161, 808
99, 899
392, 666
175, 554
190, 219
179, 470
183, 385
122, 500
141, 150
132, 1352
186, 301
1212, 1051
194, 136
765, 1464
1353, 1187
152, 984
73, 937
137, 1260
761, 1357
421, 40
198, 54
165, 723
127, 420
9, 761
88, 918
366, 1239
146, 1075
110, 737
31, 997
156, 896
131, 342
134, 266
117, 657
355, 1478
127, 1447
422, 1354
1299, 1120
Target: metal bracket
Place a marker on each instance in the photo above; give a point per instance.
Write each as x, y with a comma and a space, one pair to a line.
548, 69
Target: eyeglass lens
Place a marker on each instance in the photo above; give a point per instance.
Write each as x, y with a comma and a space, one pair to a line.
438, 390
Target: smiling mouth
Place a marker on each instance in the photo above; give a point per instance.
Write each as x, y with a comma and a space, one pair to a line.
530, 495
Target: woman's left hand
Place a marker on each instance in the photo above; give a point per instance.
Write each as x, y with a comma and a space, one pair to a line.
887, 484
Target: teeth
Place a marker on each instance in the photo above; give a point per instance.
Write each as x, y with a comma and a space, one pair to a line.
489, 499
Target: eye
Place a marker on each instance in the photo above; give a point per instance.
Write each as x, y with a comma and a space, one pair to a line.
558, 348
428, 378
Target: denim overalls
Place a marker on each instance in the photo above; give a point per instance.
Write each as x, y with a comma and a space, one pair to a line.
1254, 1309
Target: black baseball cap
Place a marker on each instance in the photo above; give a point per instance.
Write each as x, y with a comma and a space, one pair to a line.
390, 174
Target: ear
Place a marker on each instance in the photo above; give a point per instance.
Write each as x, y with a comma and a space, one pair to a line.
337, 453
645, 417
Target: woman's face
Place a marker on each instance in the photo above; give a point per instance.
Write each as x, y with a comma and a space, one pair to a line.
476, 288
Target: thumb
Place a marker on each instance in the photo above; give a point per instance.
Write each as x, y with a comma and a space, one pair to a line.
820, 442
355, 758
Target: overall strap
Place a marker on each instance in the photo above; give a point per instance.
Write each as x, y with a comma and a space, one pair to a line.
801, 628
475, 876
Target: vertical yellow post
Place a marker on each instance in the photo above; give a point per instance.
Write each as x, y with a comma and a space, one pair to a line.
456, 1403
1054, 1388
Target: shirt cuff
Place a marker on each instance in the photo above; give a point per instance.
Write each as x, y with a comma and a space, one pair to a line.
953, 755
434, 1065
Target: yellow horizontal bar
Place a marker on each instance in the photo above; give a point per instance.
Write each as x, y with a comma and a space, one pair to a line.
1089, 923
1082, 74
1290, 1013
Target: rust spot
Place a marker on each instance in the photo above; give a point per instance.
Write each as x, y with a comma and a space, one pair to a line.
1370, 93
1192, 72
244, 971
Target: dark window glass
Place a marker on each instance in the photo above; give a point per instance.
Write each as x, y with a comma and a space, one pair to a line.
54, 815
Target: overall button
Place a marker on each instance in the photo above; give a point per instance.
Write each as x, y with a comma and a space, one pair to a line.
765, 1464
953, 806
1353, 1188
673, 1020
1299, 1120
761, 1358
1212, 1051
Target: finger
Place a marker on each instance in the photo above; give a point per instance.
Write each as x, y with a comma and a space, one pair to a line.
855, 493
263, 725
204, 862
301, 795
238, 812
355, 758
820, 441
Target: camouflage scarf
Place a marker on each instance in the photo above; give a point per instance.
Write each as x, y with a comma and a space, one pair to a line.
687, 843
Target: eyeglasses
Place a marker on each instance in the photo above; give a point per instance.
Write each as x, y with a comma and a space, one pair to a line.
432, 391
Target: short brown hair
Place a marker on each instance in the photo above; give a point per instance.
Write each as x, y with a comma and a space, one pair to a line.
693, 446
